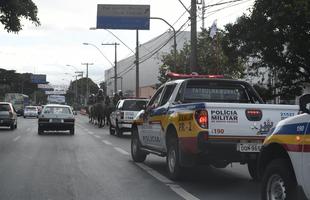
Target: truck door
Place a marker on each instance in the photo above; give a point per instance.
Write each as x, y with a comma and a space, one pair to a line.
147, 136
158, 116
306, 160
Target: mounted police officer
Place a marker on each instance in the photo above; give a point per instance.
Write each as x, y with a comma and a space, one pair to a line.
100, 96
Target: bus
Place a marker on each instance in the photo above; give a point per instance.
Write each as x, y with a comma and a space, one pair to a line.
19, 101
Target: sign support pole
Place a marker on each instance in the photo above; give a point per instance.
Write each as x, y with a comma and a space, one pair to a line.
137, 64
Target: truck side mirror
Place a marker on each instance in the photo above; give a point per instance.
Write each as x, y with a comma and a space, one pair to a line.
303, 101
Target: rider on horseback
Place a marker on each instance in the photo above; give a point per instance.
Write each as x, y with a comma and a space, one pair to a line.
100, 96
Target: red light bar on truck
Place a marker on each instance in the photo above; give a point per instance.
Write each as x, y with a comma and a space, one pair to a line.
184, 76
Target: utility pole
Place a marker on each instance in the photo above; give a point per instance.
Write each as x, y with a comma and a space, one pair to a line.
87, 92
137, 65
115, 64
203, 13
193, 17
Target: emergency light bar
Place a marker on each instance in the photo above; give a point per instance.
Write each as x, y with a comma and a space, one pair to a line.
184, 76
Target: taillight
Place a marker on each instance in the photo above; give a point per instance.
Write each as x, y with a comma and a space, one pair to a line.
253, 114
201, 117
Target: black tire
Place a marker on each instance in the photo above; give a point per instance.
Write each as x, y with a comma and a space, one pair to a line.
15, 126
136, 153
24, 116
111, 130
118, 131
252, 168
40, 131
173, 161
12, 126
279, 176
72, 131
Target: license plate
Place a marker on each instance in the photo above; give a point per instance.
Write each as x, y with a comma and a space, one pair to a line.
249, 147
57, 120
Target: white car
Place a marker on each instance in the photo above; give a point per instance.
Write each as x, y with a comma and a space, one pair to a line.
123, 116
31, 111
284, 162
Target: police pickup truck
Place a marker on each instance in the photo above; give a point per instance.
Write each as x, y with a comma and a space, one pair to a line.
284, 161
205, 119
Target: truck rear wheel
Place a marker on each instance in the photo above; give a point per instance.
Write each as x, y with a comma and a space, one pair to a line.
278, 181
173, 160
136, 153
111, 130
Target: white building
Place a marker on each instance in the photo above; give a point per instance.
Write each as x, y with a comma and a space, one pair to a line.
150, 54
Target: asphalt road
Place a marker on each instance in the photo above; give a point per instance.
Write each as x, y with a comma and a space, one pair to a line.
95, 165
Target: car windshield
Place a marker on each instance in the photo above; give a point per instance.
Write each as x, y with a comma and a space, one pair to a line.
134, 105
57, 110
5, 107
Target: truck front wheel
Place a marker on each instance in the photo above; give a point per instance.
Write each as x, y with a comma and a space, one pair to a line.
278, 181
136, 153
173, 160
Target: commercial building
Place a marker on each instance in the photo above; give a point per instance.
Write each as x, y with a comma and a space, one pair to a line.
150, 54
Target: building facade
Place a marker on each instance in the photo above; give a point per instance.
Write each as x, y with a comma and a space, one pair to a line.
150, 54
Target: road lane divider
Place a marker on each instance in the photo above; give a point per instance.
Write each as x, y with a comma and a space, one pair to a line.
171, 184
17, 138
122, 151
97, 136
107, 142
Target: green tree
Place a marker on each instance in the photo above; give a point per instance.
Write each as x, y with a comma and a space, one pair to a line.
211, 58
81, 90
11, 12
274, 39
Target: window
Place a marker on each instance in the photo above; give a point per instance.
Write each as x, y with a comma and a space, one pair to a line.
134, 105
216, 92
167, 94
5, 107
57, 110
155, 99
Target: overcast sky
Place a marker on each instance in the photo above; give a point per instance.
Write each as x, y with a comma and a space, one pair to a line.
65, 24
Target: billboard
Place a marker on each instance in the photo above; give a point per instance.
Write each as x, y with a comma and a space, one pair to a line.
57, 92
38, 78
132, 17
59, 99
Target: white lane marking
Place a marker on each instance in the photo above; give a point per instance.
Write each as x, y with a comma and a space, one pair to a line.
181, 192
91, 133
17, 138
122, 151
172, 185
106, 142
155, 174
97, 136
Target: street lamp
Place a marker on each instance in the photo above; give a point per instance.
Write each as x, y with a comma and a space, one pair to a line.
115, 64
86, 43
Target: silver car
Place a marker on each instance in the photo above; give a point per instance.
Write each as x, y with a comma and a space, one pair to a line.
8, 116
31, 111
56, 117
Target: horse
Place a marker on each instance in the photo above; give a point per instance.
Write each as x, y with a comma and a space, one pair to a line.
99, 111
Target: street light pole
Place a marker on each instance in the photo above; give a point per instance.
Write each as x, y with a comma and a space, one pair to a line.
87, 92
174, 40
115, 64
